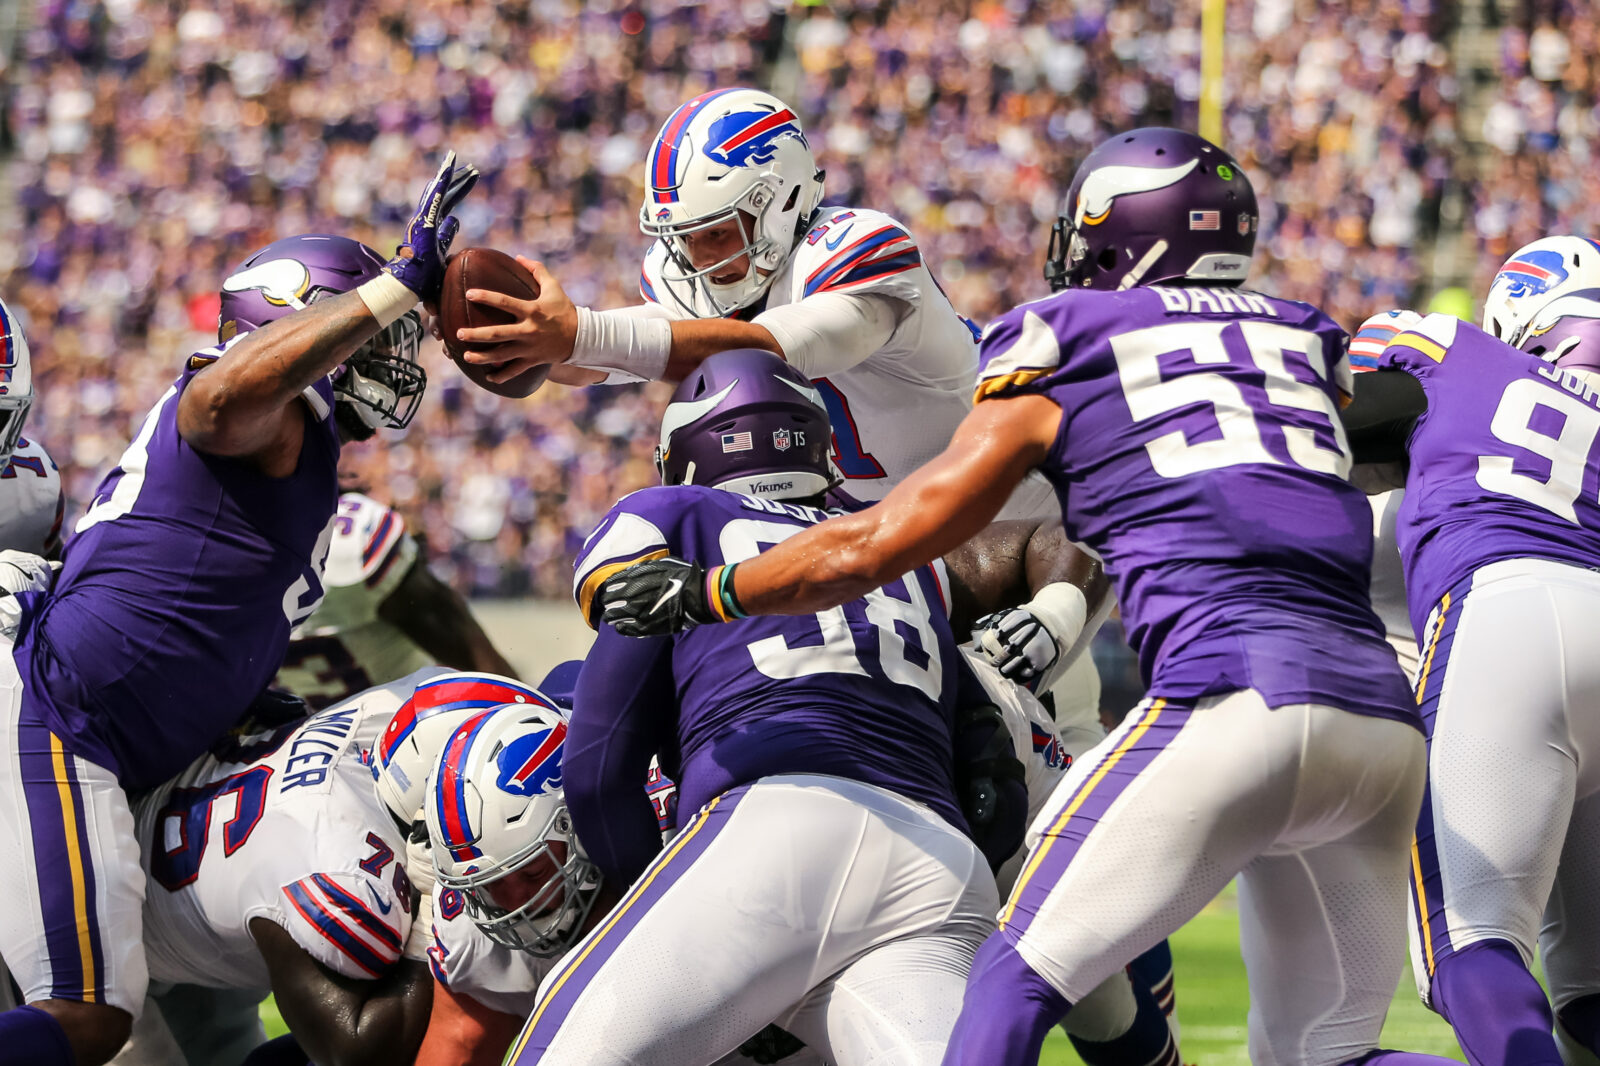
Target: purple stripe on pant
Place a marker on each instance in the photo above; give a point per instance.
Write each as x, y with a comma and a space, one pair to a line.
1427, 891
590, 957
46, 821
1157, 723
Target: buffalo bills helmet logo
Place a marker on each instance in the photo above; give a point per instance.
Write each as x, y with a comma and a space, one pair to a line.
1534, 273
531, 765
746, 137
664, 214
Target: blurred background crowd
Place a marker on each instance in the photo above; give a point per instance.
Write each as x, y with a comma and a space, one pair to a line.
152, 145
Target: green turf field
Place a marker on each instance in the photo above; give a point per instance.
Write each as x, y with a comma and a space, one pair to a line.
1212, 1000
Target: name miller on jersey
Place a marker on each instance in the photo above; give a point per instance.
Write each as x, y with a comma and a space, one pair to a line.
336, 724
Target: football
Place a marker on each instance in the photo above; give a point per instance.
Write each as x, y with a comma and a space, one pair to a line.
484, 268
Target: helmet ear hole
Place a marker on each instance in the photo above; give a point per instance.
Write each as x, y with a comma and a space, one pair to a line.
1107, 259
794, 194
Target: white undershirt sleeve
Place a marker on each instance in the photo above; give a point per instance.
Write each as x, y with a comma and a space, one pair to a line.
832, 331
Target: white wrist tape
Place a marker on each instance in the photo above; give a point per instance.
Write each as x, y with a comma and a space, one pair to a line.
387, 298
420, 938
1063, 610
628, 347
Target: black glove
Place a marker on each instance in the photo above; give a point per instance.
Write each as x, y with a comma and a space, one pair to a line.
770, 1045
991, 782
656, 598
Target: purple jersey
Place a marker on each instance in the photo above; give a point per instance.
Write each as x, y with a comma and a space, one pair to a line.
1201, 456
864, 691
1504, 463
179, 589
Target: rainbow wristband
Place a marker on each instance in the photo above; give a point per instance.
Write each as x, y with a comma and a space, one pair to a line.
719, 594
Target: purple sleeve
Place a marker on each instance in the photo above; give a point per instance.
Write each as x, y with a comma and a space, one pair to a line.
622, 711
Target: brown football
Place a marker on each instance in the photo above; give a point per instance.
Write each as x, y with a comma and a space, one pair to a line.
484, 268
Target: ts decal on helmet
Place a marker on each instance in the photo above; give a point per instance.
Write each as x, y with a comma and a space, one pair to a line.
1102, 187
281, 282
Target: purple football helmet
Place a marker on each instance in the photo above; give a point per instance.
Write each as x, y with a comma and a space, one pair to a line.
1153, 205
378, 386
746, 421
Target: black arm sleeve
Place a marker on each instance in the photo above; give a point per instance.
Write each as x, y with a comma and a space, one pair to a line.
1382, 415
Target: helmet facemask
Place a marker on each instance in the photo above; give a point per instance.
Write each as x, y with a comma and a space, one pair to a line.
551, 919
765, 250
13, 413
381, 383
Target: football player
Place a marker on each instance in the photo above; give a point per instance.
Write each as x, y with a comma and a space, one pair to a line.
31, 499
271, 863
202, 549
385, 613
1500, 532
1192, 430
746, 256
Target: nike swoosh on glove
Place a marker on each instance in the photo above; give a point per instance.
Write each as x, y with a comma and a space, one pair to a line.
657, 598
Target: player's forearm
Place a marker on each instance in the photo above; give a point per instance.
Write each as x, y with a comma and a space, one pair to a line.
387, 1026
435, 616
463, 1032
847, 557
695, 340
231, 406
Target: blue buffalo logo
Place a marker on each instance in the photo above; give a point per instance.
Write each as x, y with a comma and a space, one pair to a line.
746, 137
531, 765
1534, 273
1048, 748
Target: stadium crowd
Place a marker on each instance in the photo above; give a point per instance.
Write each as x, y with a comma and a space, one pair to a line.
155, 144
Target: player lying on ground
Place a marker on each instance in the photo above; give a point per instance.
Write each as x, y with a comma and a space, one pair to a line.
1496, 431
1191, 429
203, 548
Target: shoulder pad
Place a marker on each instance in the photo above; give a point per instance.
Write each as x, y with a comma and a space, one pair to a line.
352, 923
634, 530
370, 545
856, 250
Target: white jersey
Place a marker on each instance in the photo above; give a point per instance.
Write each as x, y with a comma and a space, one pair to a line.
31, 501
285, 826
469, 964
345, 647
899, 407
1389, 580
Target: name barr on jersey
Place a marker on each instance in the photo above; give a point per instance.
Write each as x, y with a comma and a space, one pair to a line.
317, 748
1204, 301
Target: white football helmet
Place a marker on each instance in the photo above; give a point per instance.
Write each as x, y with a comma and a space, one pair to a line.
1546, 300
16, 383
501, 833
723, 153
412, 740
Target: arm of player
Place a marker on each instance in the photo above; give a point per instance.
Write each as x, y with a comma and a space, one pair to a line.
1379, 421
935, 510
338, 1020
631, 345
618, 722
243, 404
1030, 640
435, 616
463, 1032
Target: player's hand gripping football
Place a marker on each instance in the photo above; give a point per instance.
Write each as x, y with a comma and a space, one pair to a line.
545, 330
419, 263
664, 596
